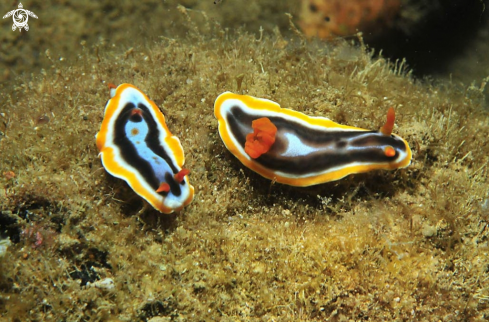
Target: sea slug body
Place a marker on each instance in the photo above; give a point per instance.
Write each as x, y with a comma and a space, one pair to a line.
299, 150
135, 145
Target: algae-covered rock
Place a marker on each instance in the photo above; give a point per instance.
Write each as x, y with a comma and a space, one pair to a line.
245, 248
4, 244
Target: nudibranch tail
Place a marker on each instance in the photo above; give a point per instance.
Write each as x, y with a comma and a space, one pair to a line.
135, 145
295, 149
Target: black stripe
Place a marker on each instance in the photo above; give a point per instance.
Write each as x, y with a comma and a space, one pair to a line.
129, 152
366, 145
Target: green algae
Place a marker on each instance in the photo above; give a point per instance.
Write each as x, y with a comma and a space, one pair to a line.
405, 245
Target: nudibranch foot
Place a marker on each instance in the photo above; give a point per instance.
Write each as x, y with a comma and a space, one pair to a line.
299, 150
135, 145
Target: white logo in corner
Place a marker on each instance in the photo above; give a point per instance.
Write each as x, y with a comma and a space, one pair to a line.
21, 16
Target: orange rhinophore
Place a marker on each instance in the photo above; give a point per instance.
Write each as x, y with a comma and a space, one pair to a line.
389, 123
181, 175
164, 187
262, 139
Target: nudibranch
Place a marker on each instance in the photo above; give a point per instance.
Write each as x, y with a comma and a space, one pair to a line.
135, 145
299, 150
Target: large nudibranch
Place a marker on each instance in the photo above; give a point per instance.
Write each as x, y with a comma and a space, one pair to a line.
135, 145
299, 150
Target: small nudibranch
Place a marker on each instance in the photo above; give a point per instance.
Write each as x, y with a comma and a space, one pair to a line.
135, 145
299, 150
